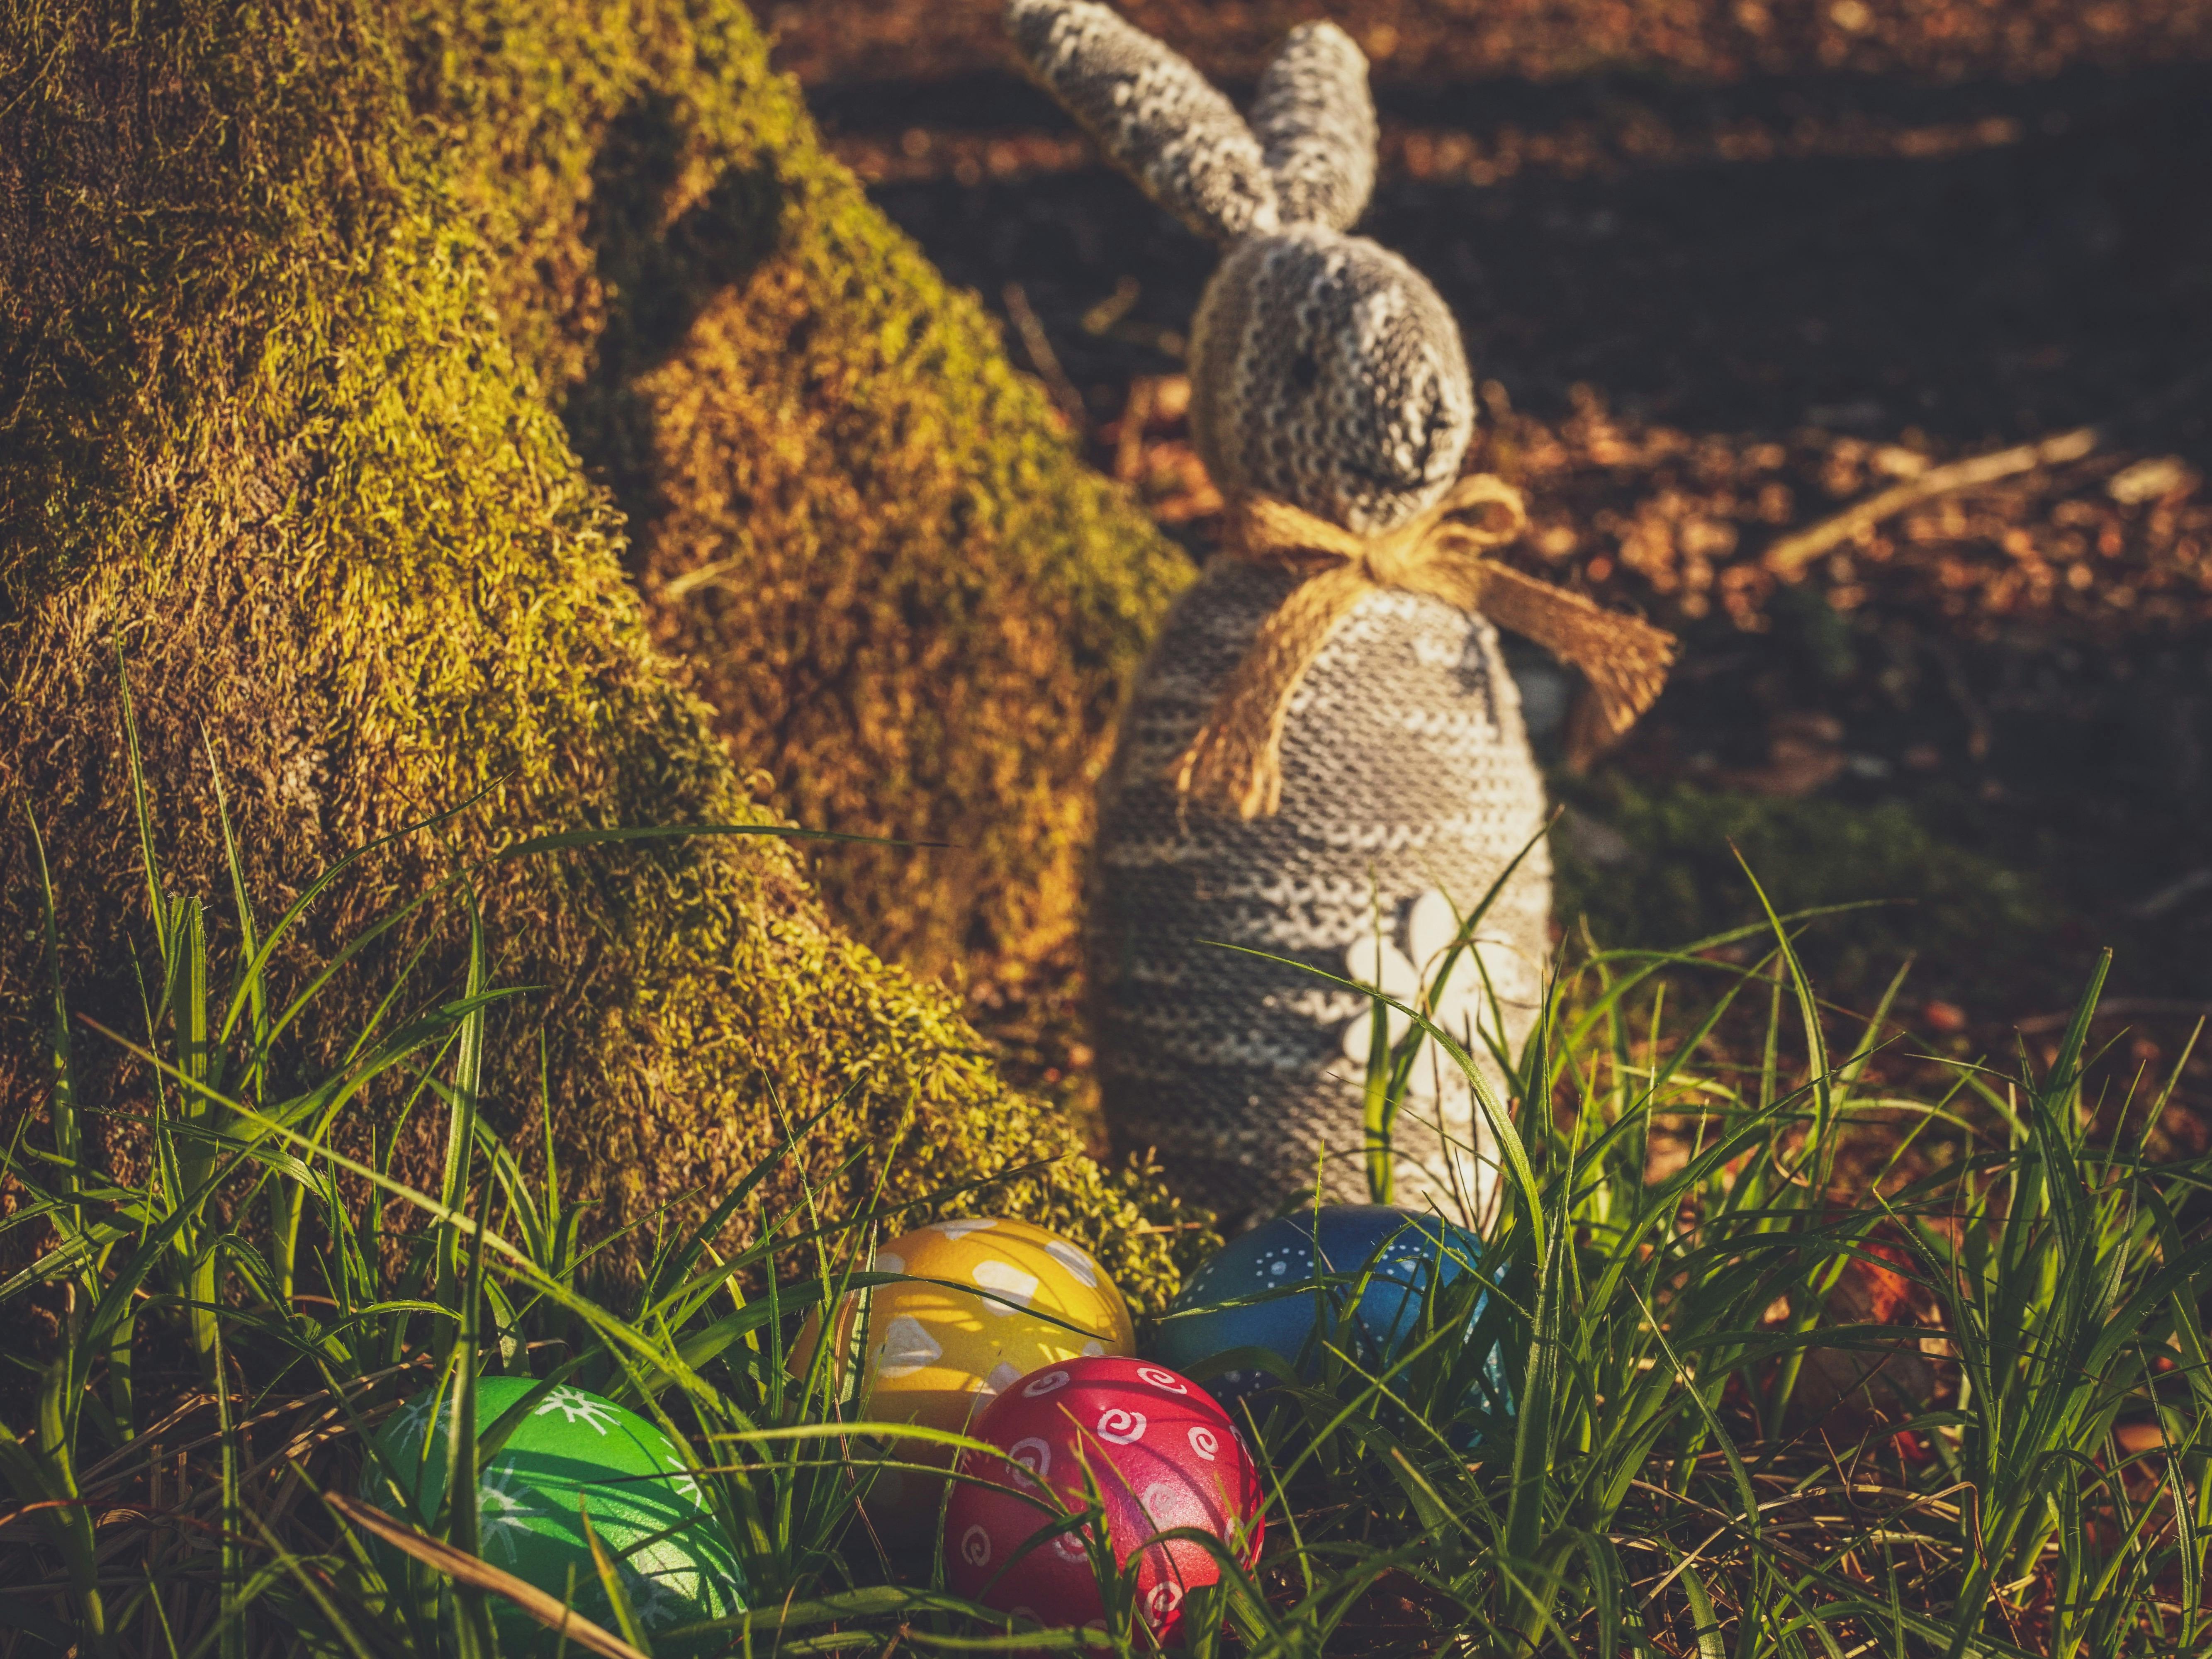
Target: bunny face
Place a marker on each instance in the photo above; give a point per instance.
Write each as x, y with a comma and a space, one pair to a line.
1324, 371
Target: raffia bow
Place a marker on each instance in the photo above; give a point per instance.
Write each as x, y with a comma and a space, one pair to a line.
1236, 761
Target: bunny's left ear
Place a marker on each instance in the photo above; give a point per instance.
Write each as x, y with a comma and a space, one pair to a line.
1152, 112
1318, 122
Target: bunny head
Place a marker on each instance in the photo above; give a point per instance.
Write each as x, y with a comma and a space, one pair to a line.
1324, 371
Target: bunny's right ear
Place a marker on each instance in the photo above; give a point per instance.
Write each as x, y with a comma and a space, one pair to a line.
1317, 121
1152, 112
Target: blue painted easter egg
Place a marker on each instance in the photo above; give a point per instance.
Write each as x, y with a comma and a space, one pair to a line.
1400, 1252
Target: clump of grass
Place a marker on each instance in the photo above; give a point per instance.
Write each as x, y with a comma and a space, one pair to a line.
242, 1290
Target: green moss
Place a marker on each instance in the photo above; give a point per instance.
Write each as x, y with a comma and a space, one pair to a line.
1660, 873
906, 600
265, 429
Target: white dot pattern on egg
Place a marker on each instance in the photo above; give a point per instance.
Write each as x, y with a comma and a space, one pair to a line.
908, 1347
976, 1308
1006, 1281
959, 1229
1084, 1269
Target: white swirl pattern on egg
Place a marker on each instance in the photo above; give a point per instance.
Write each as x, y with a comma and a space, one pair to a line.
1121, 1426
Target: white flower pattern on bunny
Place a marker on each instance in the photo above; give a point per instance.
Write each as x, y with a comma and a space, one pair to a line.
1436, 1090
1462, 1005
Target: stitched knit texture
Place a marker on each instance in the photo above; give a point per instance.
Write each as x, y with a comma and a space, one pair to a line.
1314, 115
1326, 372
1152, 112
1406, 771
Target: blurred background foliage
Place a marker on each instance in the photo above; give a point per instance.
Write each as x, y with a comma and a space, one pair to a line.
1727, 269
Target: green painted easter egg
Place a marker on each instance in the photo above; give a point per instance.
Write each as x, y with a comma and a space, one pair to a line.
575, 1453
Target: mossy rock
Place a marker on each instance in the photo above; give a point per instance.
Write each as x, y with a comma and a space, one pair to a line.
905, 599
266, 437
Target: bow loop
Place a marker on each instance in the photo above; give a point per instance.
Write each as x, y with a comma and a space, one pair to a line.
1236, 761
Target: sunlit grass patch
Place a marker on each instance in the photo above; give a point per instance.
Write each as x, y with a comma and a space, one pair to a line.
1953, 1404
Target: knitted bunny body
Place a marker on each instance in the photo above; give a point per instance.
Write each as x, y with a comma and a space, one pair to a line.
1406, 773
1325, 375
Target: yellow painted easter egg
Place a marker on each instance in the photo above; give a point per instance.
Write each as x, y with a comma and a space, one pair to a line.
936, 1355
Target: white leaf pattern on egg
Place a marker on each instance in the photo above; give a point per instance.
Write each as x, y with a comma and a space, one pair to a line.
577, 1406
907, 1348
503, 1507
885, 1262
1002, 1377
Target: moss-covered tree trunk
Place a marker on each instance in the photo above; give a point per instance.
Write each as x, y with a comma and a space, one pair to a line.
905, 599
276, 428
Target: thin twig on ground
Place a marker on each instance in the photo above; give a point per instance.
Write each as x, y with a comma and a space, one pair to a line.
1043, 358
1789, 555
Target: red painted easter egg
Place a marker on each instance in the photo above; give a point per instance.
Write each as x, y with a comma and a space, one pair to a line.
1160, 1452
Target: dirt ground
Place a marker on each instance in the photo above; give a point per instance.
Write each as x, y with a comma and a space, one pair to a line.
1723, 270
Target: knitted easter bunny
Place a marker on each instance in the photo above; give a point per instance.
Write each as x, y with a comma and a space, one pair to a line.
1330, 769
